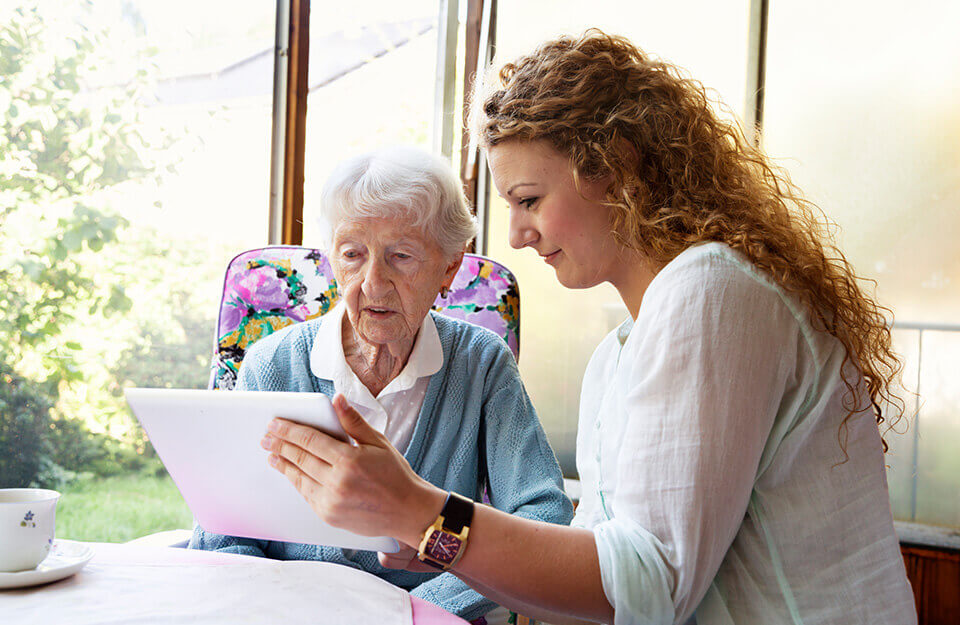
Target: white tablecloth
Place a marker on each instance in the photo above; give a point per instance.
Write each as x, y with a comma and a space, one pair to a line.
138, 585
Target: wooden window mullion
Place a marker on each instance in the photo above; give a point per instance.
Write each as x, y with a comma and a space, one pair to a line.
295, 122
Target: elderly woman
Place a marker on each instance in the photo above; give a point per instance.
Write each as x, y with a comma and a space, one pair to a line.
445, 393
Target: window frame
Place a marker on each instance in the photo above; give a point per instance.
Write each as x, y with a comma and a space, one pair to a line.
288, 144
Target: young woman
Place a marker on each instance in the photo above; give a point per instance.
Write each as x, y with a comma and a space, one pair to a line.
728, 445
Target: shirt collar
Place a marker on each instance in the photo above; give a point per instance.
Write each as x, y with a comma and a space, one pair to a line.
328, 362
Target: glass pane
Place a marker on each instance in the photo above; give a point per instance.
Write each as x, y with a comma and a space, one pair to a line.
901, 440
372, 75
938, 463
872, 134
713, 48
135, 159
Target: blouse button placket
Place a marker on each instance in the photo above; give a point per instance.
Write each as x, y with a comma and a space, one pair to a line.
598, 437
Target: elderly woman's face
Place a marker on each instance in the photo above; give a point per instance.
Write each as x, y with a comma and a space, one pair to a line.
389, 274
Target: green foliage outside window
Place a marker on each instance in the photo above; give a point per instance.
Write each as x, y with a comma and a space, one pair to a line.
25, 451
69, 140
57, 150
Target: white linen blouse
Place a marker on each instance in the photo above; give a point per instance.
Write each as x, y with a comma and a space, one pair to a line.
712, 472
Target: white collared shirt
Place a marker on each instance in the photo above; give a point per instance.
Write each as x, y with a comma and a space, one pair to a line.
394, 411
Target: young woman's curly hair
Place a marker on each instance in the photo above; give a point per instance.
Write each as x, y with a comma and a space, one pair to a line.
681, 176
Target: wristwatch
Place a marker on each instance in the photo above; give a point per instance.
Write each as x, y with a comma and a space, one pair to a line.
445, 541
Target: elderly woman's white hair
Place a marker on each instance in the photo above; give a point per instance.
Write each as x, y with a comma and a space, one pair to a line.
399, 182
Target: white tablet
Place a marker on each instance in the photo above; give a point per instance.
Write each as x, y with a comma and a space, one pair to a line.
209, 441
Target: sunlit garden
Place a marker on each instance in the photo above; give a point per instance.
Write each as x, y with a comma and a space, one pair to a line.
81, 160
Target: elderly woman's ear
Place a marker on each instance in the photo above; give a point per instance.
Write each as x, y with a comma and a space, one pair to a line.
451, 272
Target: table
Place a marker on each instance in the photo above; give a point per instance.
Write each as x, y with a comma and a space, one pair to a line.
126, 583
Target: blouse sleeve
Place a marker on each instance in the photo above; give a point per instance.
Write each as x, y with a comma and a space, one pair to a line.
716, 350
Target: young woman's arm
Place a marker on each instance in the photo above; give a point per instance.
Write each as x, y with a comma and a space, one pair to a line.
538, 569
406, 558
370, 489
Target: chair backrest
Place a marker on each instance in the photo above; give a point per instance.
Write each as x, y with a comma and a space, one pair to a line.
269, 288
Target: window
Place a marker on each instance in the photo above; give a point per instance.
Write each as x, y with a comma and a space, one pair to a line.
136, 158
136, 162
862, 106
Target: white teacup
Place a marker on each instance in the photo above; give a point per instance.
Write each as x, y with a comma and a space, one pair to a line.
27, 521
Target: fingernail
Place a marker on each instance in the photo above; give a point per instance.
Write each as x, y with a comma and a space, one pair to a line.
273, 460
266, 442
274, 425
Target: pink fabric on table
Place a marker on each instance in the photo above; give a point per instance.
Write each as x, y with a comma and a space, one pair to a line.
426, 613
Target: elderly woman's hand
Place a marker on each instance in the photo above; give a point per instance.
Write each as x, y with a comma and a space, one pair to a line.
368, 489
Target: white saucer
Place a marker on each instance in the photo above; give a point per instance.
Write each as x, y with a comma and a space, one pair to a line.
65, 558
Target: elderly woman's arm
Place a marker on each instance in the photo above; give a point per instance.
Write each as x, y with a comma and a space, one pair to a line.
208, 541
523, 475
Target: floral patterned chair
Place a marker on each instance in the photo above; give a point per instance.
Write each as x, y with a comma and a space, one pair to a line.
269, 288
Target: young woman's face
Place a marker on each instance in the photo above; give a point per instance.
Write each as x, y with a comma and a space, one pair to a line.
570, 229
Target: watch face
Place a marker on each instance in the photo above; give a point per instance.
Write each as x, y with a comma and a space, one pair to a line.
443, 547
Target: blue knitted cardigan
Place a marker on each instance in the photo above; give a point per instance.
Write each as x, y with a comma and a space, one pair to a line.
476, 424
